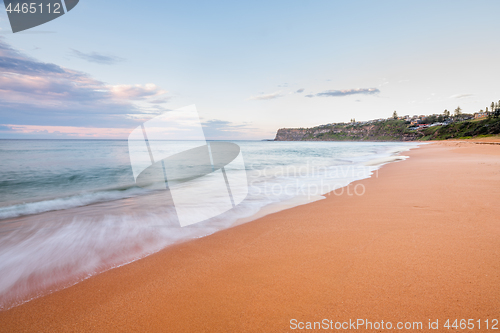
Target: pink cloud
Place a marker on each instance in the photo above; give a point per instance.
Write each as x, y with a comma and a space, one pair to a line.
72, 131
30, 86
136, 92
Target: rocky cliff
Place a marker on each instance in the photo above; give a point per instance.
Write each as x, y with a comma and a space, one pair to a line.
389, 130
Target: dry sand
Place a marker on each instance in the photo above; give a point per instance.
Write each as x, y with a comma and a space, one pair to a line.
422, 243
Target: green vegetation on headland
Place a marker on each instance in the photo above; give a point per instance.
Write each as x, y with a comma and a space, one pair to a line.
462, 130
406, 128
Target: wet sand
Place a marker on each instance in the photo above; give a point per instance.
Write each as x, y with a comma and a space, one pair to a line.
422, 242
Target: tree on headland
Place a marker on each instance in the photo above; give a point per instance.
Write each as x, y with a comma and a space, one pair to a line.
492, 106
446, 113
496, 113
395, 115
458, 111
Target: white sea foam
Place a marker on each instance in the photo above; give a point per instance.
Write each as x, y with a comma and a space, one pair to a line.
73, 201
38, 259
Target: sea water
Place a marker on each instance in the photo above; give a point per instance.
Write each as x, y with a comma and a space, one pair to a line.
70, 209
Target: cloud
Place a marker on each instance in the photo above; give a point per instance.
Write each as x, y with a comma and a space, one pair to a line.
461, 95
160, 100
38, 93
14, 62
136, 92
216, 129
97, 58
346, 92
301, 90
7, 51
383, 83
23, 66
266, 96
55, 132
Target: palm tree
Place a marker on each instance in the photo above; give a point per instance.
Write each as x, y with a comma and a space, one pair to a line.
446, 113
395, 115
492, 106
458, 111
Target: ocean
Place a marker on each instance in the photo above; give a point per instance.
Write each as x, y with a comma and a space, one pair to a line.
70, 209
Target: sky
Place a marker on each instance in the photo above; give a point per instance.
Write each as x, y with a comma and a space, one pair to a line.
250, 67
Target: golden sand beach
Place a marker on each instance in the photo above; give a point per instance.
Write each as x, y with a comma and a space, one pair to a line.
421, 244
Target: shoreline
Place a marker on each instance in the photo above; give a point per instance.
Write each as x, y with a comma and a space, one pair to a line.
395, 156
336, 257
44, 282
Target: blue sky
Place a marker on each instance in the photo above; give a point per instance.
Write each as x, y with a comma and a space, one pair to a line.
250, 67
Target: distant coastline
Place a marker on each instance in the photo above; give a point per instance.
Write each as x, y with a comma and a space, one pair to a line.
405, 128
